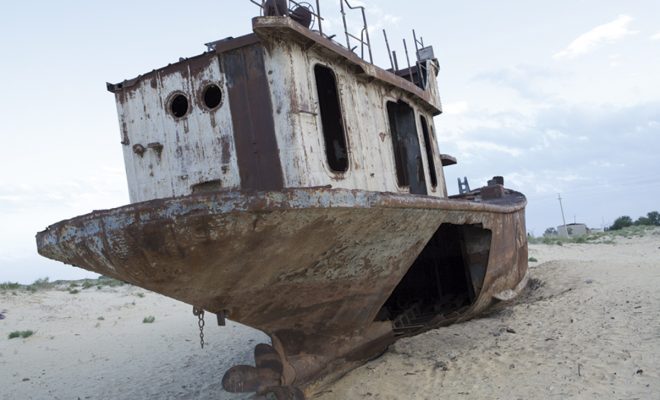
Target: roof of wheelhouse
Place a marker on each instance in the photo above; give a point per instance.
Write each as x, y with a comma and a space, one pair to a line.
267, 29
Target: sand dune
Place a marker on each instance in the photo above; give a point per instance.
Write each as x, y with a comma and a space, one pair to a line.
589, 327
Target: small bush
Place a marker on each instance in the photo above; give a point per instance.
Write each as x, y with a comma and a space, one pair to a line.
621, 222
149, 320
107, 281
9, 286
87, 284
21, 334
532, 259
41, 283
101, 318
74, 291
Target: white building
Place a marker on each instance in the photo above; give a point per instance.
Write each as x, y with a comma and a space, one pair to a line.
572, 230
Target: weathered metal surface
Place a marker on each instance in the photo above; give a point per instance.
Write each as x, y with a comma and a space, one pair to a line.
448, 160
284, 27
252, 116
234, 146
308, 266
198, 147
291, 55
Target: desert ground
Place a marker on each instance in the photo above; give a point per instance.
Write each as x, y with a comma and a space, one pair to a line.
588, 327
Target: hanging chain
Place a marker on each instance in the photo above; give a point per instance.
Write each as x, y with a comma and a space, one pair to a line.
199, 313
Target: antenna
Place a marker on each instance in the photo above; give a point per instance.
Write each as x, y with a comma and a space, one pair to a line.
562, 210
405, 47
418, 44
422, 72
389, 52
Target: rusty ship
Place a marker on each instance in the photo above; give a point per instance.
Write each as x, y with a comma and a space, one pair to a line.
284, 181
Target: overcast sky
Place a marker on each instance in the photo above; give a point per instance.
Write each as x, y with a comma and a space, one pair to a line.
558, 97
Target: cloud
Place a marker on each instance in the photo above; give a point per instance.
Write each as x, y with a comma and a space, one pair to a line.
602, 159
615, 60
488, 147
456, 108
379, 19
656, 36
557, 142
606, 33
523, 79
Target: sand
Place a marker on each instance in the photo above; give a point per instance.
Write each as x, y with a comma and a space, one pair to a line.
589, 327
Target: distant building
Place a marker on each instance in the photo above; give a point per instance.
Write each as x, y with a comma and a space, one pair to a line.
572, 230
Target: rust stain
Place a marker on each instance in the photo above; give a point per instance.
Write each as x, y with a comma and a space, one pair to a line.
139, 149
254, 131
226, 150
331, 285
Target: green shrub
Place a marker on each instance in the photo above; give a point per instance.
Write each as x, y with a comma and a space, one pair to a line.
41, 283
621, 222
149, 320
21, 334
9, 286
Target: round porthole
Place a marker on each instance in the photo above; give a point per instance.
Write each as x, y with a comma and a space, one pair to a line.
212, 96
179, 106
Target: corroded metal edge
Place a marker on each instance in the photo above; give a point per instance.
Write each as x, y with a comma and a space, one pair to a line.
233, 200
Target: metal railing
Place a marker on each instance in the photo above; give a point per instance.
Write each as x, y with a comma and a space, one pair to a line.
363, 40
417, 73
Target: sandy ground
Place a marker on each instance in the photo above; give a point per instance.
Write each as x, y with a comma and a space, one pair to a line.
589, 328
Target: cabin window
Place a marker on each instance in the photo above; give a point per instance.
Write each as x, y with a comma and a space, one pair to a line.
179, 105
399, 150
331, 119
406, 147
212, 96
429, 151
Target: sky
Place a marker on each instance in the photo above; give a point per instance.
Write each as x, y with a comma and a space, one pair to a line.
558, 97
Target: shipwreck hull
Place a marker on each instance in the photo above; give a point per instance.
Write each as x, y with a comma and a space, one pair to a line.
314, 268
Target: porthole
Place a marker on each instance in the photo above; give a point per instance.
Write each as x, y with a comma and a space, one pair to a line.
179, 105
212, 96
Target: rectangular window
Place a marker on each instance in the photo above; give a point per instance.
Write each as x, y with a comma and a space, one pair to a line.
429, 151
400, 158
331, 119
407, 152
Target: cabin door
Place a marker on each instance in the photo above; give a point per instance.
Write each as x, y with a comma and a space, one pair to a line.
252, 118
407, 152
